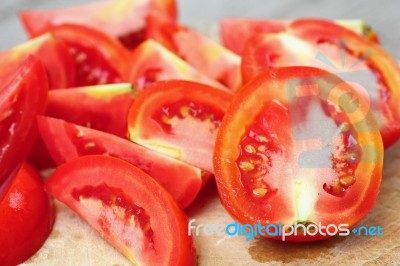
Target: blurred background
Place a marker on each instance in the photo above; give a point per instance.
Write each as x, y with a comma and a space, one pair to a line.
383, 16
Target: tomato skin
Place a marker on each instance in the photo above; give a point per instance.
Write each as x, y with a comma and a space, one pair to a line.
190, 136
22, 96
66, 141
268, 89
94, 177
152, 62
27, 217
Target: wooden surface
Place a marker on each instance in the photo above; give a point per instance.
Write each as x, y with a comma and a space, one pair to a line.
75, 243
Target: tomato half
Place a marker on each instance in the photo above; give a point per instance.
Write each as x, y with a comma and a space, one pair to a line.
22, 96
152, 62
54, 55
298, 145
66, 141
123, 19
206, 55
179, 119
327, 45
126, 207
26, 217
235, 32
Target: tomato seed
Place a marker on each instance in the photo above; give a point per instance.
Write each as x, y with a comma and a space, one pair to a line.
260, 192
246, 166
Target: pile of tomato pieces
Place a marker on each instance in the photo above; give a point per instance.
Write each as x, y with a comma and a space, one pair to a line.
136, 113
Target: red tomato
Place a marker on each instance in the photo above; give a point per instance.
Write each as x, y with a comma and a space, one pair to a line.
27, 217
152, 62
54, 55
179, 119
67, 141
99, 58
327, 45
298, 145
123, 19
206, 55
126, 207
22, 96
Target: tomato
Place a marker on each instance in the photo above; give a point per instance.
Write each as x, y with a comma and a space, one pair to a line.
123, 19
235, 32
67, 141
206, 55
99, 58
26, 217
126, 207
298, 145
23, 95
179, 119
327, 45
54, 55
152, 62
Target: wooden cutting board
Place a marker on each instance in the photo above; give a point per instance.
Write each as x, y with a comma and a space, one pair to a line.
72, 242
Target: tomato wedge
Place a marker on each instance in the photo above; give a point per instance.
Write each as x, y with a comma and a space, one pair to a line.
206, 55
22, 96
27, 217
152, 62
235, 32
99, 58
298, 145
179, 119
54, 55
327, 45
126, 207
66, 141
123, 19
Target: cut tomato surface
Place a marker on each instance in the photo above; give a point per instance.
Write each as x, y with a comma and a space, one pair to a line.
327, 45
66, 141
179, 119
126, 207
206, 55
99, 58
298, 145
54, 55
23, 95
27, 217
152, 62
123, 19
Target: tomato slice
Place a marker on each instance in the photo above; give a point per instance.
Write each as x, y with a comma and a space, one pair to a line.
206, 55
99, 58
123, 19
126, 207
235, 32
66, 141
54, 55
27, 217
22, 96
179, 119
152, 62
326, 45
298, 145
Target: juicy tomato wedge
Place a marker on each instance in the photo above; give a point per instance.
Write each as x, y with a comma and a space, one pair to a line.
180, 119
66, 141
329, 46
27, 217
123, 19
236, 31
54, 55
99, 58
23, 95
152, 62
206, 55
126, 207
298, 145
